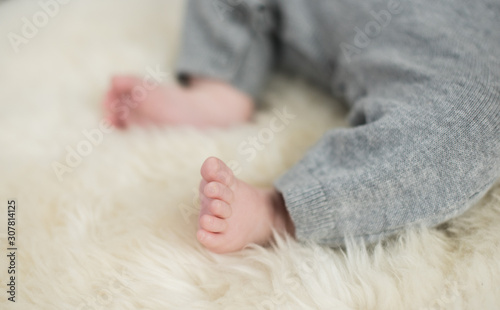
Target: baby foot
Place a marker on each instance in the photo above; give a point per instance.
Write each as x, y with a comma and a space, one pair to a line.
233, 213
205, 103
128, 102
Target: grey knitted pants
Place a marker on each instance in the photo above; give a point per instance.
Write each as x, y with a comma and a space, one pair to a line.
422, 82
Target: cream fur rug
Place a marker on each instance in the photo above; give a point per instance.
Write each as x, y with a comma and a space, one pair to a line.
116, 230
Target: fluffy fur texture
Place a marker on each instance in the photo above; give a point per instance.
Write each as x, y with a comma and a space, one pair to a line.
118, 231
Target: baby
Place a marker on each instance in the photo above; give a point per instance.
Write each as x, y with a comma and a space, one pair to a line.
421, 80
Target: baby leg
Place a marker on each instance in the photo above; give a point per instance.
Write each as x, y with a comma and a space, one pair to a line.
424, 98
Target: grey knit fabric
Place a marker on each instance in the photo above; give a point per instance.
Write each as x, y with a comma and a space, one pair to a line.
421, 79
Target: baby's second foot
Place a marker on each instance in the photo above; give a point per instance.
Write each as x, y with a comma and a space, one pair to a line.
234, 213
129, 102
205, 103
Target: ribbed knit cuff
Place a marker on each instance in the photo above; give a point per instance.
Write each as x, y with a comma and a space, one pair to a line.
306, 203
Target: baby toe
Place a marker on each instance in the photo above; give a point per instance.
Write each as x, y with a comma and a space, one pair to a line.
216, 190
212, 241
220, 208
214, 169
212, 224
210, 169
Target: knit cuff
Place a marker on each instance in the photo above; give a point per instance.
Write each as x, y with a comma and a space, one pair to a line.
307, 205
